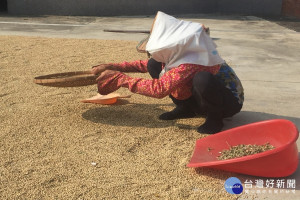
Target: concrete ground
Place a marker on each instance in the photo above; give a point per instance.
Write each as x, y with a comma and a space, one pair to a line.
264, 54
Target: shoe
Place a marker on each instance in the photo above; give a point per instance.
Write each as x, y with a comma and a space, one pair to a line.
177, 113
211, 126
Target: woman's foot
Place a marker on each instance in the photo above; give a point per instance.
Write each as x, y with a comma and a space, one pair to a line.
177, 113
211, 126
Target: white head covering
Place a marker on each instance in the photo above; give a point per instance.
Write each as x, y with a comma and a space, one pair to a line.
175, 42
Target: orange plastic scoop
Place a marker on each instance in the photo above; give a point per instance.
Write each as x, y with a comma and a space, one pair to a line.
105, 99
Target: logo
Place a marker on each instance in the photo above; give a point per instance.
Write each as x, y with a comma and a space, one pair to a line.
233, 185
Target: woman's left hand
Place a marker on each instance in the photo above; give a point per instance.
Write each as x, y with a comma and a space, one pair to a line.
107, 73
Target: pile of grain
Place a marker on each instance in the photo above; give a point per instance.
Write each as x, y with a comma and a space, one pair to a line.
244, 150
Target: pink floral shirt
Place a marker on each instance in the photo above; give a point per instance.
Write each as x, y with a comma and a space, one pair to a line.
177, 81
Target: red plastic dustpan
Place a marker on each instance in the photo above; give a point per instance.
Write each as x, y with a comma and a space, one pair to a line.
279, 162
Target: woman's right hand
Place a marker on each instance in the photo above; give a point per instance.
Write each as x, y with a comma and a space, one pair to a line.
98, 69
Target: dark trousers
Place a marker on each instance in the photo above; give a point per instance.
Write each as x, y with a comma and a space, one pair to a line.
210, 96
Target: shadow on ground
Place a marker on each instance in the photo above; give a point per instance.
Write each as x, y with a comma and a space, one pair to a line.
146, 115
292, 23
131, 115
247, 117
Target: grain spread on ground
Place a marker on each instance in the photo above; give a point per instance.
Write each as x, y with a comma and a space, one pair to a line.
54, 147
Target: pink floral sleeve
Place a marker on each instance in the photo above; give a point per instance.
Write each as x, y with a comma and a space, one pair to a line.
135, 66
177, 81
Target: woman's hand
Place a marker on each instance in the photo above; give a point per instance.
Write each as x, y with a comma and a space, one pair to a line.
98, 69
106, 73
